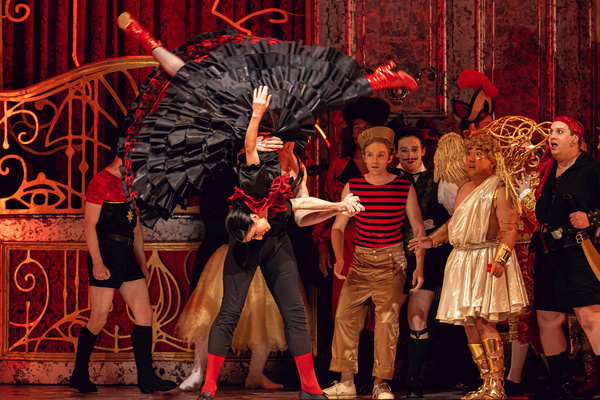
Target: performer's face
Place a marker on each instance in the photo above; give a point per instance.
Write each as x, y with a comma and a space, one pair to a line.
360, 125
377, 156
478, 163
258, 229
483, 123
560, 140
410, 153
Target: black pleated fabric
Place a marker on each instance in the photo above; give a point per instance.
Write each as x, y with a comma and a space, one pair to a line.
182, 129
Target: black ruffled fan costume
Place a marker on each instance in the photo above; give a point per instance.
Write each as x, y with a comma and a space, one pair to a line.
179, 129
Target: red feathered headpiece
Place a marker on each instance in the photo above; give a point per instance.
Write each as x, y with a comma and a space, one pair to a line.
482, 99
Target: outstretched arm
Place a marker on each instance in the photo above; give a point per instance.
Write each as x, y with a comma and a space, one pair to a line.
260, 103
350, 205
313, 210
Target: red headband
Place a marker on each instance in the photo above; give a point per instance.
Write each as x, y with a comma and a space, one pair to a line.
575, 126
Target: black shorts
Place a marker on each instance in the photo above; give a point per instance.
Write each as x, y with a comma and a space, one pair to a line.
120, 260
433, 271
563, 279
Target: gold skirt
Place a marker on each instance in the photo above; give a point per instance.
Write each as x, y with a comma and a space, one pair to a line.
259, 323
470, 292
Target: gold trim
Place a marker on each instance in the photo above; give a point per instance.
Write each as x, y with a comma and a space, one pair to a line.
171, 298
32, 118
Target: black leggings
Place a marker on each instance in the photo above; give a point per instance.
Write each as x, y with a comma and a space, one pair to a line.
276, 259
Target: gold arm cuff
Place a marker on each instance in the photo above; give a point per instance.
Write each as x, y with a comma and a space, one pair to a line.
503, 254
439, 236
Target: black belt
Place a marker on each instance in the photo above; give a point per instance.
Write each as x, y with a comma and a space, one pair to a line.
557, 237
117, 238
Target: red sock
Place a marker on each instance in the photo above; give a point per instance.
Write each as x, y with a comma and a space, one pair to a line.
306, 370
213, 367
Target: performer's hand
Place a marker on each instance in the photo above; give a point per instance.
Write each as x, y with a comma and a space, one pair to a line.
100, 272
579, 220
351, 205
423, 242
260, 101
523, 183
268, 143
495, 269
417, 280
337, 269
146, 274
325, 262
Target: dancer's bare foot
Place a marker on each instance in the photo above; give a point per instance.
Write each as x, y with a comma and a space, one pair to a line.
254, 382
193, 382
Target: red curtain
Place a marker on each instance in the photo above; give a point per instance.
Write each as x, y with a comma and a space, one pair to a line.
42, 39
41, 46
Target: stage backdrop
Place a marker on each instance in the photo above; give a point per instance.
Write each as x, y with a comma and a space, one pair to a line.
67, 79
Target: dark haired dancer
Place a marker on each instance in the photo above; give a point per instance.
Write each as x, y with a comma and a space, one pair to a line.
200, 122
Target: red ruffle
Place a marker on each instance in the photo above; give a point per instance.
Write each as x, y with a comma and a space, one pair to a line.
274, 201
544, 169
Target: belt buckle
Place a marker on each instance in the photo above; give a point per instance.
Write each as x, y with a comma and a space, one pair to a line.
557, 234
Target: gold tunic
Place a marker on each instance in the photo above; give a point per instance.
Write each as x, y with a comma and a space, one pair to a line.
260, 321
469, 291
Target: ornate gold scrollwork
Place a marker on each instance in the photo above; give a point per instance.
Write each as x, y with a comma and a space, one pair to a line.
31, 116
50, 304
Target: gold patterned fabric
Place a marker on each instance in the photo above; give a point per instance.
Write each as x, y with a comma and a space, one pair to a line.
469, 291
260, 321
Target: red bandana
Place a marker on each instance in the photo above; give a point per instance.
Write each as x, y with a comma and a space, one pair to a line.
573, 124
274, 201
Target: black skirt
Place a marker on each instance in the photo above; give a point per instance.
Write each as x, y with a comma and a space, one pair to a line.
200, 119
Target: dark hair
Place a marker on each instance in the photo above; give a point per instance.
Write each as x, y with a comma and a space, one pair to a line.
483, 114
238, 221
402, 130
370, 109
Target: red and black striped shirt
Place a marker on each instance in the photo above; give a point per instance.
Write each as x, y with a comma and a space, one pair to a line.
380, 225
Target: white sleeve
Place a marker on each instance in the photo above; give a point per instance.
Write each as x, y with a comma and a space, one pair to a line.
447, 195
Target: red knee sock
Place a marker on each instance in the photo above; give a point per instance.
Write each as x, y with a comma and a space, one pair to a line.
213, 367
306, 370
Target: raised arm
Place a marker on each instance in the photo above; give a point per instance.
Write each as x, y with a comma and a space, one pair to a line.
260, 103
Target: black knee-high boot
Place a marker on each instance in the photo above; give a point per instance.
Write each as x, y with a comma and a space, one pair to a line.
80, 379
417, 348
148, 382
561, 386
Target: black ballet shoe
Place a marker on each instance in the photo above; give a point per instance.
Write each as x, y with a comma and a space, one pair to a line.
304, 395
83, 384
205, 396
156, 385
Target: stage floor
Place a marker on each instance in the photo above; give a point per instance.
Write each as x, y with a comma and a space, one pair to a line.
56, 392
